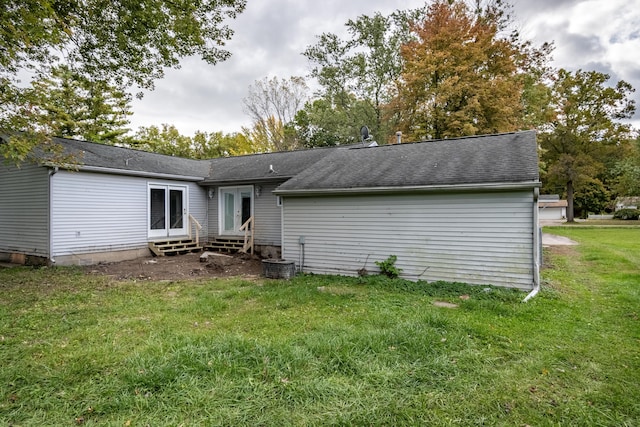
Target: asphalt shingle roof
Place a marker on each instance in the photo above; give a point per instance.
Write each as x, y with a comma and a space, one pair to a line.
499, 159
258, 167
126, 159
502, 158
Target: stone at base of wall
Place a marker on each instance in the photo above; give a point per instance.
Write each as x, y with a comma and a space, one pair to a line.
18, 259
268, 252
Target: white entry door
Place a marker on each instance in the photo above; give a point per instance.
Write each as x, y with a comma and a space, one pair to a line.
235, 207
167, 210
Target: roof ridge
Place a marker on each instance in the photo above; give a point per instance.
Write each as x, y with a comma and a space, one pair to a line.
301, 150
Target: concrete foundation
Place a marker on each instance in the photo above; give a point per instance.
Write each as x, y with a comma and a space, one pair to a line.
101, 257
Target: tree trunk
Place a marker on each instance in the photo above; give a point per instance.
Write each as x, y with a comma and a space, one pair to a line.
570, 201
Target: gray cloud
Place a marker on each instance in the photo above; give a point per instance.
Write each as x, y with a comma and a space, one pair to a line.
575, 48
526, 8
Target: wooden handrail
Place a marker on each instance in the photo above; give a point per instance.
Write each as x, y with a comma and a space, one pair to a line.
198, 227
248, 235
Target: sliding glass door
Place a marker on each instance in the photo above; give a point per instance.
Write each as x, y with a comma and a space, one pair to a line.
167, 211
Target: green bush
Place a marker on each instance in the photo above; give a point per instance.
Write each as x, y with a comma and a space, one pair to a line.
629, 214
592, 196
388, 267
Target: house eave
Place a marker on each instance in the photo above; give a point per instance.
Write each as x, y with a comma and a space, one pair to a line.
126, 172
410, 189
247, 181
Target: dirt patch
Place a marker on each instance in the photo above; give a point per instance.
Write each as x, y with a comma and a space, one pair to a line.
567, 251
561, 250
445, 304
180, 267
553, 240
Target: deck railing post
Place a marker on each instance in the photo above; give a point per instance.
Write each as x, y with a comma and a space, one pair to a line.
198, 227
248, 235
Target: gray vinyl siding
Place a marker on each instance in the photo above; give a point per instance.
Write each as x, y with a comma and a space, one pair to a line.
473, 238
198, 208
267, 216
212, 213
93, 212
24, 212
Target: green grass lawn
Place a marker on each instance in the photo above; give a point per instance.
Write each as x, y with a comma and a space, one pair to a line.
603, 222
317, 350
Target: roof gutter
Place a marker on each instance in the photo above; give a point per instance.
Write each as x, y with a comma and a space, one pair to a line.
421, 188
52, 172
115, 171
536, 248
244, 181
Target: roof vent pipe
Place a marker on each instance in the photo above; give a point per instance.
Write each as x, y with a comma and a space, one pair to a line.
399, 137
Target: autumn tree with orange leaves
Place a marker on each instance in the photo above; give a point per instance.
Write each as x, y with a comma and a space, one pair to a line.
464, 76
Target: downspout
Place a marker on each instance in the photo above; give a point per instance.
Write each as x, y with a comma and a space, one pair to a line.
536, 248
50, 231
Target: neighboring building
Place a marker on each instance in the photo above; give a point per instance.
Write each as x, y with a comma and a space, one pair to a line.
457, 210
627, 203
550, 207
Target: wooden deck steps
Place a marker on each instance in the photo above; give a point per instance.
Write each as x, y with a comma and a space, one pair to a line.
225, 245
174, 247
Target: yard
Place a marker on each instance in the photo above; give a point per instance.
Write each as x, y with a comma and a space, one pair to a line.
85, 348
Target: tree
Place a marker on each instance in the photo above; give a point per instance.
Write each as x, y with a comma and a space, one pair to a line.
462, 75
120, 42
217, 144
627, 172
163, 140
585, 132
318, 125
269, 135
323, 123
591, 197
203, 145
71, 106
356, 76
129, 41
272, 104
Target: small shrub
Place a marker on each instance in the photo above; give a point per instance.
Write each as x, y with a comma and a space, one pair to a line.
627, 214
388, 267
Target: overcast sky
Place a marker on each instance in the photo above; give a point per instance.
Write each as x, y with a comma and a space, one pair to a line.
270, 35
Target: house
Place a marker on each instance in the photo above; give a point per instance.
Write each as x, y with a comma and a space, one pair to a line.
550, 207
627, 203
459, 210
115, 200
